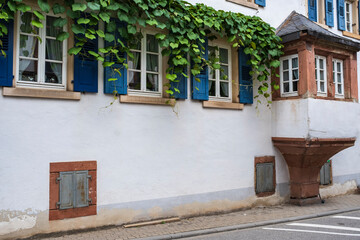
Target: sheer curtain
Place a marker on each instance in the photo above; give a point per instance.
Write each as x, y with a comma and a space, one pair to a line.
152, 65
54, 52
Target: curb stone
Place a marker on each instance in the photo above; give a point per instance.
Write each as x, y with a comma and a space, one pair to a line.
245, 226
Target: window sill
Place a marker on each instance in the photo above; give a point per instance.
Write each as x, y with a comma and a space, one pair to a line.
223, 105
245, 3
40, 93
352, 35
147, 100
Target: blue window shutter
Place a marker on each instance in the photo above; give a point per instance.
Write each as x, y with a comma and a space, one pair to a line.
200, 90
181, 84
6, 62
120, 85
312, 7
86, 68
245, 79
261, 2
329, 13
341, 14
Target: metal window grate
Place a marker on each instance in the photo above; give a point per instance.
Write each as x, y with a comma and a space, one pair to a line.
325, 174
265, 177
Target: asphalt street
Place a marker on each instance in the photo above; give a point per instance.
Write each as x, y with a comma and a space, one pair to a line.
342, 226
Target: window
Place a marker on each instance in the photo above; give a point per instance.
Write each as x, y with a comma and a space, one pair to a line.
250, 3
320, 75
289, 75
338, 77
265, 176
325, 173
219, 79
144, 74
72, 189
40, 63
348, 17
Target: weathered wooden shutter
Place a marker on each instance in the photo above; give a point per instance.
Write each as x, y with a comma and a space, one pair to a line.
81, 191
245, 79
86, 68
6, 62
341, 14
264, 177
325, 176
312, 8
261, 2
74, 189
329, 13
120, 84
66, 190
200, 89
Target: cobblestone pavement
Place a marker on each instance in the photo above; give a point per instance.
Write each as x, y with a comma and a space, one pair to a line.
257, 214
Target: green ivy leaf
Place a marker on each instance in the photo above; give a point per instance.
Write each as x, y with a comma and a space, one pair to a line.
90, 36
37, 24
58, 9
39, 15
100, 33
131, 29
105, 17
174, 45
23, 8
160, 36
78, 29
109, 37
114, 6
60, 22
108, 64
83, 21
94, 6
74, 50
62, 36
12, 6
152, 22
44, 6
78, 7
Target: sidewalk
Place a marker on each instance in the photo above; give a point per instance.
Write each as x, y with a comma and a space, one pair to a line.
223, 222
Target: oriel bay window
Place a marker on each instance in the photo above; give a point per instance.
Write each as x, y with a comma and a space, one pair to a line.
40, 63
144, 73
289, 75
219, 79
320, 75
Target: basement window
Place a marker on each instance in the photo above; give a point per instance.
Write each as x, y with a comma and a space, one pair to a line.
265, 176
325, 174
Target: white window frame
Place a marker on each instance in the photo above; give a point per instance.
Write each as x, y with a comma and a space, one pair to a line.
335, 72
348, 21
217, 80
317, 70
143, 71
291, 92
41, 57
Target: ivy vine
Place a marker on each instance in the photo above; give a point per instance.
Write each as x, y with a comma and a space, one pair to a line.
182, 30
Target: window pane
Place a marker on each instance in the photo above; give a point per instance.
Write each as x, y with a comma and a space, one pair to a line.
224, 72
152, 82
339, 77
52, 31
295, 86
211, 52
53, 49
25, 20
321, 63
136, 44
334, 79
28, 46
134, 63
286, 87
294, 62
212, 73
134, 80
316, 75
152, 44
224, 55
152, 62
322, 75
339, 88
295, 74
224, 89
53, 72
285, 64
286, 76
212, 88
322, 86
28, 70
316, 62
338, 67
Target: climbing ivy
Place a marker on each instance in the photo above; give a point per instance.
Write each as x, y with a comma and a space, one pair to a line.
182, 29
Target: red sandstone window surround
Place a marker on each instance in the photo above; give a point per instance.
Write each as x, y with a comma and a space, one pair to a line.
55, 213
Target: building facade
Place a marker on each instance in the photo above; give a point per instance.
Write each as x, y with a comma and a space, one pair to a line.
72, 158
